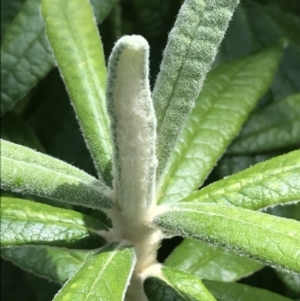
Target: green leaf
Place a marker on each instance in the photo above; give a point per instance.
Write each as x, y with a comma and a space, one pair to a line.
175, 285
15, 129
25, 223
14, 285
102, 8
269, 183
75, 41
228, 96
273, 127
190, 51
291, 281
230, 165
236, 291
104, 276
56, 264
266, 31
27, 171
133, 126
272, 240
9, 10
25, 55
210, 262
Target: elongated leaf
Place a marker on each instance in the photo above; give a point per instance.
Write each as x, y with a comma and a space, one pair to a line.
273, 240
176, 285
269, 183
104, 276
133, 126
236, 291
56, 264
276, 126
78, 51
25, 55
191, 48
27, 171
210, 262
25, 223
227, 98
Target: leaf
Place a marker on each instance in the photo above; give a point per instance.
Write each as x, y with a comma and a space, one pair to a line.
230, 165
56, 264
14, 285
228, 96
54, 121
25, 55
266, 31
269, 183
9, 10
27, 171
102, 8
190, 51
104, 276
78, 51
291, 281
273, 127
210, 262
25, 223
15, 129
43, 289
272, 240
237, 291
133, 126
175, 285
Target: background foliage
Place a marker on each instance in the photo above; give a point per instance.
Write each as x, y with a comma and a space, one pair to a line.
37, 113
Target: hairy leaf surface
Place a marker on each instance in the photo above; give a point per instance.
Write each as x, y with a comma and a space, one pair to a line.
25, 223
75, 41
191, 48
133, 125
55, 264
269, 183
228, 96
104, 276
272, 240
27, 171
